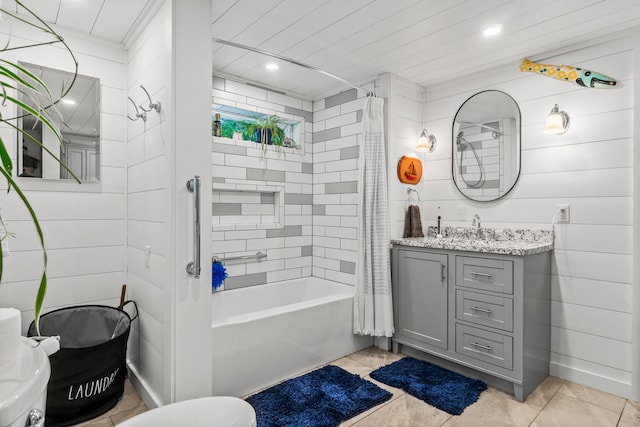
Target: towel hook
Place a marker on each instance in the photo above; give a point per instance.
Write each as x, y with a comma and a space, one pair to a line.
152, 105
139, 115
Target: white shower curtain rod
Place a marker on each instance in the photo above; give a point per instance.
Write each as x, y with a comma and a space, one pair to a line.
293, 61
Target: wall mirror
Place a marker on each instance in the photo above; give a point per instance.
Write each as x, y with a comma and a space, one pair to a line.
79, 125
486, 146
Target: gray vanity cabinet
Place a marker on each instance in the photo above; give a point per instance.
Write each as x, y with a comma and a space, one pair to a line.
423, 297
485, 315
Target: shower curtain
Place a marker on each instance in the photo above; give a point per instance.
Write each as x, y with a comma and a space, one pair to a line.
373, 311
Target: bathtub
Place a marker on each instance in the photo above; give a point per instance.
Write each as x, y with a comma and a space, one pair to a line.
265, 334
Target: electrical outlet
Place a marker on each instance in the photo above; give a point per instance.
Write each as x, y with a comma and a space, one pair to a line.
462, 213
564, 214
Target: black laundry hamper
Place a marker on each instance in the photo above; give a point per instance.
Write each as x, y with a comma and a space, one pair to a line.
88, 373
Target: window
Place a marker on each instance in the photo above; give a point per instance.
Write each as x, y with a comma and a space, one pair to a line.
242, 124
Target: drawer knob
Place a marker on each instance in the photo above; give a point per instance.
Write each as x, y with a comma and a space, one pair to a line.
484, 347
486, 275
481, 310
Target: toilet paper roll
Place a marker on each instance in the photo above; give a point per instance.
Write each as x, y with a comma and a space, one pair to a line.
9, 336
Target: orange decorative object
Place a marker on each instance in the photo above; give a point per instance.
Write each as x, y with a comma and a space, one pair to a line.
409, 170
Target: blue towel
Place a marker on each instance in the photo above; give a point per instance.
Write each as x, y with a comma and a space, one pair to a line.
218, 274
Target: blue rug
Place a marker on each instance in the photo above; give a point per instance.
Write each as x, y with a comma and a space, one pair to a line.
322, 398
446, 390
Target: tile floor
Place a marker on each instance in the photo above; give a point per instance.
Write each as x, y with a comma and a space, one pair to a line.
129, 406
554, 403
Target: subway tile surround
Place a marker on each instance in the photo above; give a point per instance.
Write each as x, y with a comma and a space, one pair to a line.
317, 234
237, 206
269, 193
336, 138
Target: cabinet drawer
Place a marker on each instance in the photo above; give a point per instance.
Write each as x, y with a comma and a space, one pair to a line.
483, 273
489, 347
493, 311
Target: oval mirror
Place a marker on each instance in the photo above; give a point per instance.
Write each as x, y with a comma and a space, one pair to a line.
486, 146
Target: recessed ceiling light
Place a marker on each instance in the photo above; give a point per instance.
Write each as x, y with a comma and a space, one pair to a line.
68, 101
272, 66
493, 30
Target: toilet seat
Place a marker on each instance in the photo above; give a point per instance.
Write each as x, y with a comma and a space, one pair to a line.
217, 411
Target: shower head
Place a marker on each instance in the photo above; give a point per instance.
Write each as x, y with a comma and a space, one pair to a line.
460, 139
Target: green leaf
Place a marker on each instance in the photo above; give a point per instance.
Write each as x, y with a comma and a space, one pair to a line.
42, 291
1, 257
5, 158
8, 185
16, 77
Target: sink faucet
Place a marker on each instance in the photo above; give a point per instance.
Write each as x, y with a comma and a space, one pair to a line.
476, 224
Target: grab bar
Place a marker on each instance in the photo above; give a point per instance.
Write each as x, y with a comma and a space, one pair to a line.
193, 186
258, 256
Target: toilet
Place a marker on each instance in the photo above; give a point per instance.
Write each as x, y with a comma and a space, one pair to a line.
217, 411
23, 386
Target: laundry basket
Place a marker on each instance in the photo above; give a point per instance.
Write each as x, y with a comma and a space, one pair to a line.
88, 373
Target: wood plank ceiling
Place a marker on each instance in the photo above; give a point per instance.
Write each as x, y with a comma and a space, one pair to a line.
108, 19
424, 41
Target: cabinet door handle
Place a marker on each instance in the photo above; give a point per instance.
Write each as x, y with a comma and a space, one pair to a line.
443, 268
484, 347
487, 275
481, 310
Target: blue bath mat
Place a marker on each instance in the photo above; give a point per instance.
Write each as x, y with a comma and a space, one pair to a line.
322, 398
446, 390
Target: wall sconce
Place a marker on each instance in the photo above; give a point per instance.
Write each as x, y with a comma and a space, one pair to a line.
426, 142
557, 122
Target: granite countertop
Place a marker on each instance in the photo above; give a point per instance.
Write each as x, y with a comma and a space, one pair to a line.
487, 240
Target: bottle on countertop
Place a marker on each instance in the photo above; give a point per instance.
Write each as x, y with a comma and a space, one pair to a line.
217, 127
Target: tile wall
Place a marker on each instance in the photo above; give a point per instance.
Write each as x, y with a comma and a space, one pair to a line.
494, 162
337, 132
317, 233
262, 200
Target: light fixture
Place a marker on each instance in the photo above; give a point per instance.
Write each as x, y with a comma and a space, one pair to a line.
426, 141
68, 101
557, 122
271, 66
491, 31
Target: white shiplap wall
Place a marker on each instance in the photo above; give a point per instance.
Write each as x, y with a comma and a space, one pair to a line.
590, 167
405, 105
148, 208
83, 225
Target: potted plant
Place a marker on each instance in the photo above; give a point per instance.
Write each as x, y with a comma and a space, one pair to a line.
267, 131
17, 84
